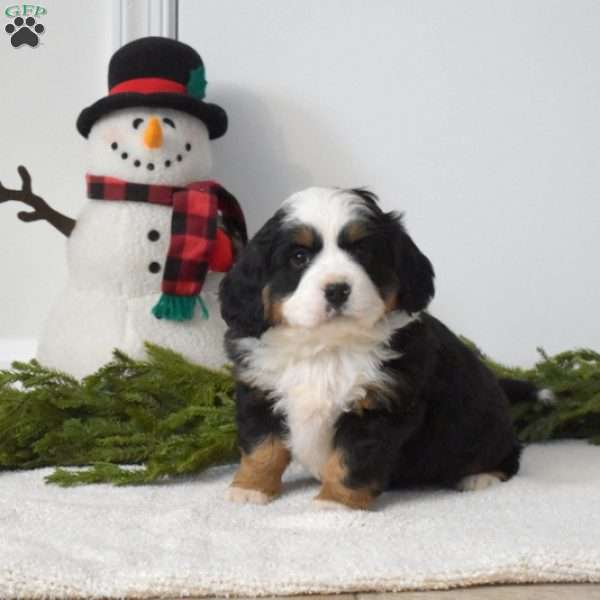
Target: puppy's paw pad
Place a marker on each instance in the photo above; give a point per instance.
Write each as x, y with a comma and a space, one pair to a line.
329, 505
474, 483
244, 496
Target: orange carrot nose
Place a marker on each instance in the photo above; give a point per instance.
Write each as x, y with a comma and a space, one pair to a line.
153, 135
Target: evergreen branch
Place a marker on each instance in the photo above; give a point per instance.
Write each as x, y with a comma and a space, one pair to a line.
164, 413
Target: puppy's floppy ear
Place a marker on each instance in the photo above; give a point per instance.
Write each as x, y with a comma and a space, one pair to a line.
413, 269
240, 292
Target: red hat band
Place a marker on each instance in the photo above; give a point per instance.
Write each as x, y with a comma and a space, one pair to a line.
148, 85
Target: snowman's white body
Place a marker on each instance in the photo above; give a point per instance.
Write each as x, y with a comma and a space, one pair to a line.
111, 289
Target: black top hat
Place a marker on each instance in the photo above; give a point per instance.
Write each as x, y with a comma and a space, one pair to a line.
161, 72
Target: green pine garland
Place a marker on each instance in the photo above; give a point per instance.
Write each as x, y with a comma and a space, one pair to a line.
574, 377
164, 413
171, 417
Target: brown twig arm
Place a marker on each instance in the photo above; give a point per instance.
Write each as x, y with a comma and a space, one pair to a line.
41, 210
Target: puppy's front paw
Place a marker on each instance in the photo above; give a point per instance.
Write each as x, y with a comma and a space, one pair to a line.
481, 481
329, 505
245, 496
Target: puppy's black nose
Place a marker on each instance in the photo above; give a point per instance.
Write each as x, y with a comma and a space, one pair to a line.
337, 293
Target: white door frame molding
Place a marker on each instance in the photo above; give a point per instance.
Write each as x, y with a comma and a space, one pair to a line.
133, 19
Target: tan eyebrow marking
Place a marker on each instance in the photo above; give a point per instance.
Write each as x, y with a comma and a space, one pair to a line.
354, 231
304, 236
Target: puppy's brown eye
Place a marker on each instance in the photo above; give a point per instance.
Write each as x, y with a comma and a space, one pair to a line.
300, 258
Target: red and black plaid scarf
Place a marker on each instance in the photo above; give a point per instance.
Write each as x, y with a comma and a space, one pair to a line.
193, 224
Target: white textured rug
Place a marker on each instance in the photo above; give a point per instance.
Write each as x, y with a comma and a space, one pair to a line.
185, 539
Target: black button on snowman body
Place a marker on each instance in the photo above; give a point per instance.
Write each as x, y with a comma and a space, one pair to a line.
154, 236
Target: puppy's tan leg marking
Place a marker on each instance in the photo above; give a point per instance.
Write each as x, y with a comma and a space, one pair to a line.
480, 481
258, 480
335, 492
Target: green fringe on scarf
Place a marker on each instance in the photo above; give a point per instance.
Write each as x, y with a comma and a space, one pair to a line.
171, 417
178, 308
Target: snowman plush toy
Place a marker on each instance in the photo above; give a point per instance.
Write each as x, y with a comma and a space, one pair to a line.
155, 235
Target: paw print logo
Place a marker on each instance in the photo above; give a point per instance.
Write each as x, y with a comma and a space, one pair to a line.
24, 31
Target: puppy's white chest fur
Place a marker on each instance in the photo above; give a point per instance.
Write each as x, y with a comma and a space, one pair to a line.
314, 375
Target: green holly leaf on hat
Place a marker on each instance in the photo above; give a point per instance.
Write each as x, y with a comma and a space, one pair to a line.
196, 85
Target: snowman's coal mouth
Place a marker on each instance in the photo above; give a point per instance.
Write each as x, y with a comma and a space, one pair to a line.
168, 162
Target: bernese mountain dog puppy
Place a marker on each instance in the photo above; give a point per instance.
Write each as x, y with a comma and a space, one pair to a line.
338, 366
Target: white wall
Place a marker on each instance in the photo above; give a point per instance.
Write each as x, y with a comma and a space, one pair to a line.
43, 90
479, 118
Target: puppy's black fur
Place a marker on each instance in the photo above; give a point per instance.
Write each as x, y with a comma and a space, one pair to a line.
446, 415
449, 417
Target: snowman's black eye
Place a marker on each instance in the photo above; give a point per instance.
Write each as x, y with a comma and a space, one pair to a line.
137, 122
168, 121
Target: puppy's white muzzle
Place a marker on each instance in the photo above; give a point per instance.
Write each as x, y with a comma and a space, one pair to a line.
333, 285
